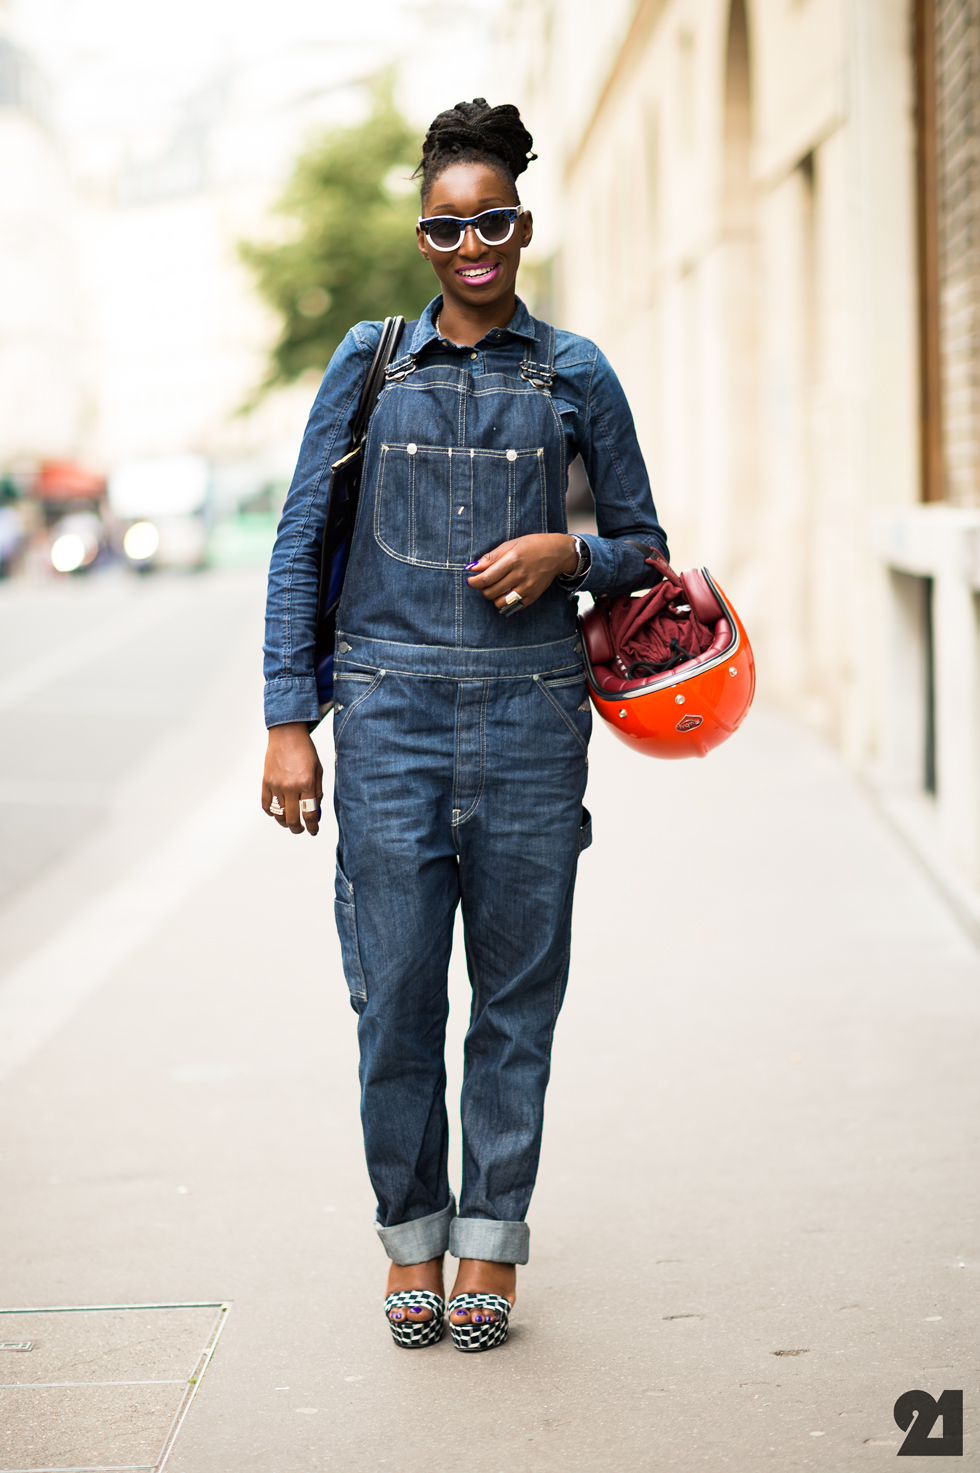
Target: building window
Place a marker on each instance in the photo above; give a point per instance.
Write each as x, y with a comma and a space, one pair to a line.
651, 170
947, 54
686, 100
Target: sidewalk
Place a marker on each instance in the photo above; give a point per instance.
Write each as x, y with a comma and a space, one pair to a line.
761, 1138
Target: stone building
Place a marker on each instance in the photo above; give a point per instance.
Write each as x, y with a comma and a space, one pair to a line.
767, 213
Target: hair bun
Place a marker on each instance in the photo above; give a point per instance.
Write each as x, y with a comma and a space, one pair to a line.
476, 127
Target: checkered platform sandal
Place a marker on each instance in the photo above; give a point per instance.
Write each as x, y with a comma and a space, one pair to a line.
413, 1334
487, 1335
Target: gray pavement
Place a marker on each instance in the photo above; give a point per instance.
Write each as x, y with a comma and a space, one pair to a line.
756, 1219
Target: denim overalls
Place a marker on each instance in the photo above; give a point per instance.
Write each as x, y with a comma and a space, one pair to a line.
461, 742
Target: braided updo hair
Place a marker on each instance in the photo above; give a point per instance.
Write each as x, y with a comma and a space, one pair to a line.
474, 132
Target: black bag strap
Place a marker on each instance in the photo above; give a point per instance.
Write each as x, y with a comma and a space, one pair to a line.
383, 354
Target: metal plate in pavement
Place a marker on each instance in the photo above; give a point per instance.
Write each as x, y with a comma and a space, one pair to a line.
104, 1387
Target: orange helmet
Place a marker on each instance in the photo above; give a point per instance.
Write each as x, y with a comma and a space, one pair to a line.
687, 710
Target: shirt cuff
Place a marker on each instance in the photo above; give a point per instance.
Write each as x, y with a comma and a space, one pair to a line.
291, 698
618, 566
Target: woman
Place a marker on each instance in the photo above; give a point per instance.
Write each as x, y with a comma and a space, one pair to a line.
461, 736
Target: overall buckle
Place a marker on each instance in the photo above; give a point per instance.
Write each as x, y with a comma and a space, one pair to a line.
538, 375
400, 369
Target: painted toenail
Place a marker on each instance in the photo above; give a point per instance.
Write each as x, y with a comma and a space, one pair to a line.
478, 1319
416, 1308
398, 1315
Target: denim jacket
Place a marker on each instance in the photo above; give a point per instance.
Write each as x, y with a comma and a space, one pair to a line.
591, 417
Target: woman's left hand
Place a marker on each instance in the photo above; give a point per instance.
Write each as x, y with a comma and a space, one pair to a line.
525, 565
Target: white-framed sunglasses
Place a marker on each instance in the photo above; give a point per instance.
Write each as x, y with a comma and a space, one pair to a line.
446, 232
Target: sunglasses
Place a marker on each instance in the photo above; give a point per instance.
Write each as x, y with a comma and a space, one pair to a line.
446, 232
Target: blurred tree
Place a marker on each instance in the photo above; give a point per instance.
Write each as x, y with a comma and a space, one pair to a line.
351, 252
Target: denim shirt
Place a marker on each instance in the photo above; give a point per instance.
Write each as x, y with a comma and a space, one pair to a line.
474, 403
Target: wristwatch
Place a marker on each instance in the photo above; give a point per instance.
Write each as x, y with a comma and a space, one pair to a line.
582, 566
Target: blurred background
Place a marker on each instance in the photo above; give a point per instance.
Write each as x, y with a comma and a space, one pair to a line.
767, 214
154, 302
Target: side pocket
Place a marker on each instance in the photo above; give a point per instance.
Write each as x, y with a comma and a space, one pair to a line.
350, 948
349, 706
585, 831
562, 693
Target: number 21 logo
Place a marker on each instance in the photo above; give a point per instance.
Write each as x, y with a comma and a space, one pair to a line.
926, 1410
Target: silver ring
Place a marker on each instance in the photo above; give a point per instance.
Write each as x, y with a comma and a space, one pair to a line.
276, 807
307, 805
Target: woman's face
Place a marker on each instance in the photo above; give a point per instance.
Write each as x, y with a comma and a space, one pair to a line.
474, 274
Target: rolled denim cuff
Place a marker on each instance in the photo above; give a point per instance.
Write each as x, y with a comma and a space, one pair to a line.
419, 1240
291, 698
496, 1242
617, 565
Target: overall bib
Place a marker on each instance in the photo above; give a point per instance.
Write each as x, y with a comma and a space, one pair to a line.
461, 752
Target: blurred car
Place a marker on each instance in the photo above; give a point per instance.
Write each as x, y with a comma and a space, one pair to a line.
75, 541
70, 500
160, 503
12, 537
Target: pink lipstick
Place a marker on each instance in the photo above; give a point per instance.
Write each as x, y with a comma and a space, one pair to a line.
478, 275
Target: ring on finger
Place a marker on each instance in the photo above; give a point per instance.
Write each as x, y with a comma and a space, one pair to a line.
276, 807
513, 598
307, 805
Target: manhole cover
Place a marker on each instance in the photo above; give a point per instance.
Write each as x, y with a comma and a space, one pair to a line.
100, 1386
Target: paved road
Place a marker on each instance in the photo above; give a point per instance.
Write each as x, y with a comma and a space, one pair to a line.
762, 1123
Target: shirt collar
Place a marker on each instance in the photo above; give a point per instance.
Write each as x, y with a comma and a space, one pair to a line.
521, 325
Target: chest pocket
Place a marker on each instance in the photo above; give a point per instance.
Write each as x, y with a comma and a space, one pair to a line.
445, 507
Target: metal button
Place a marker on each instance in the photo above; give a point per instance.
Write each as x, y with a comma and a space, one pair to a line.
472, 355
578, 647
680, 700
623, 714
412, 449
343, 647
512, 455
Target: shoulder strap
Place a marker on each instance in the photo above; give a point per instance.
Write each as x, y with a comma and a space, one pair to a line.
541, 375
383, 354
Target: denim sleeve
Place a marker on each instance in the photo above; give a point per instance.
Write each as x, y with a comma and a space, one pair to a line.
621, 488
290, 613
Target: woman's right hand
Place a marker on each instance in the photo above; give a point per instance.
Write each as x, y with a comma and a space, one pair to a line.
292, 772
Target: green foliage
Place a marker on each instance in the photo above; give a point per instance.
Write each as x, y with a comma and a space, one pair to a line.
351, 253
